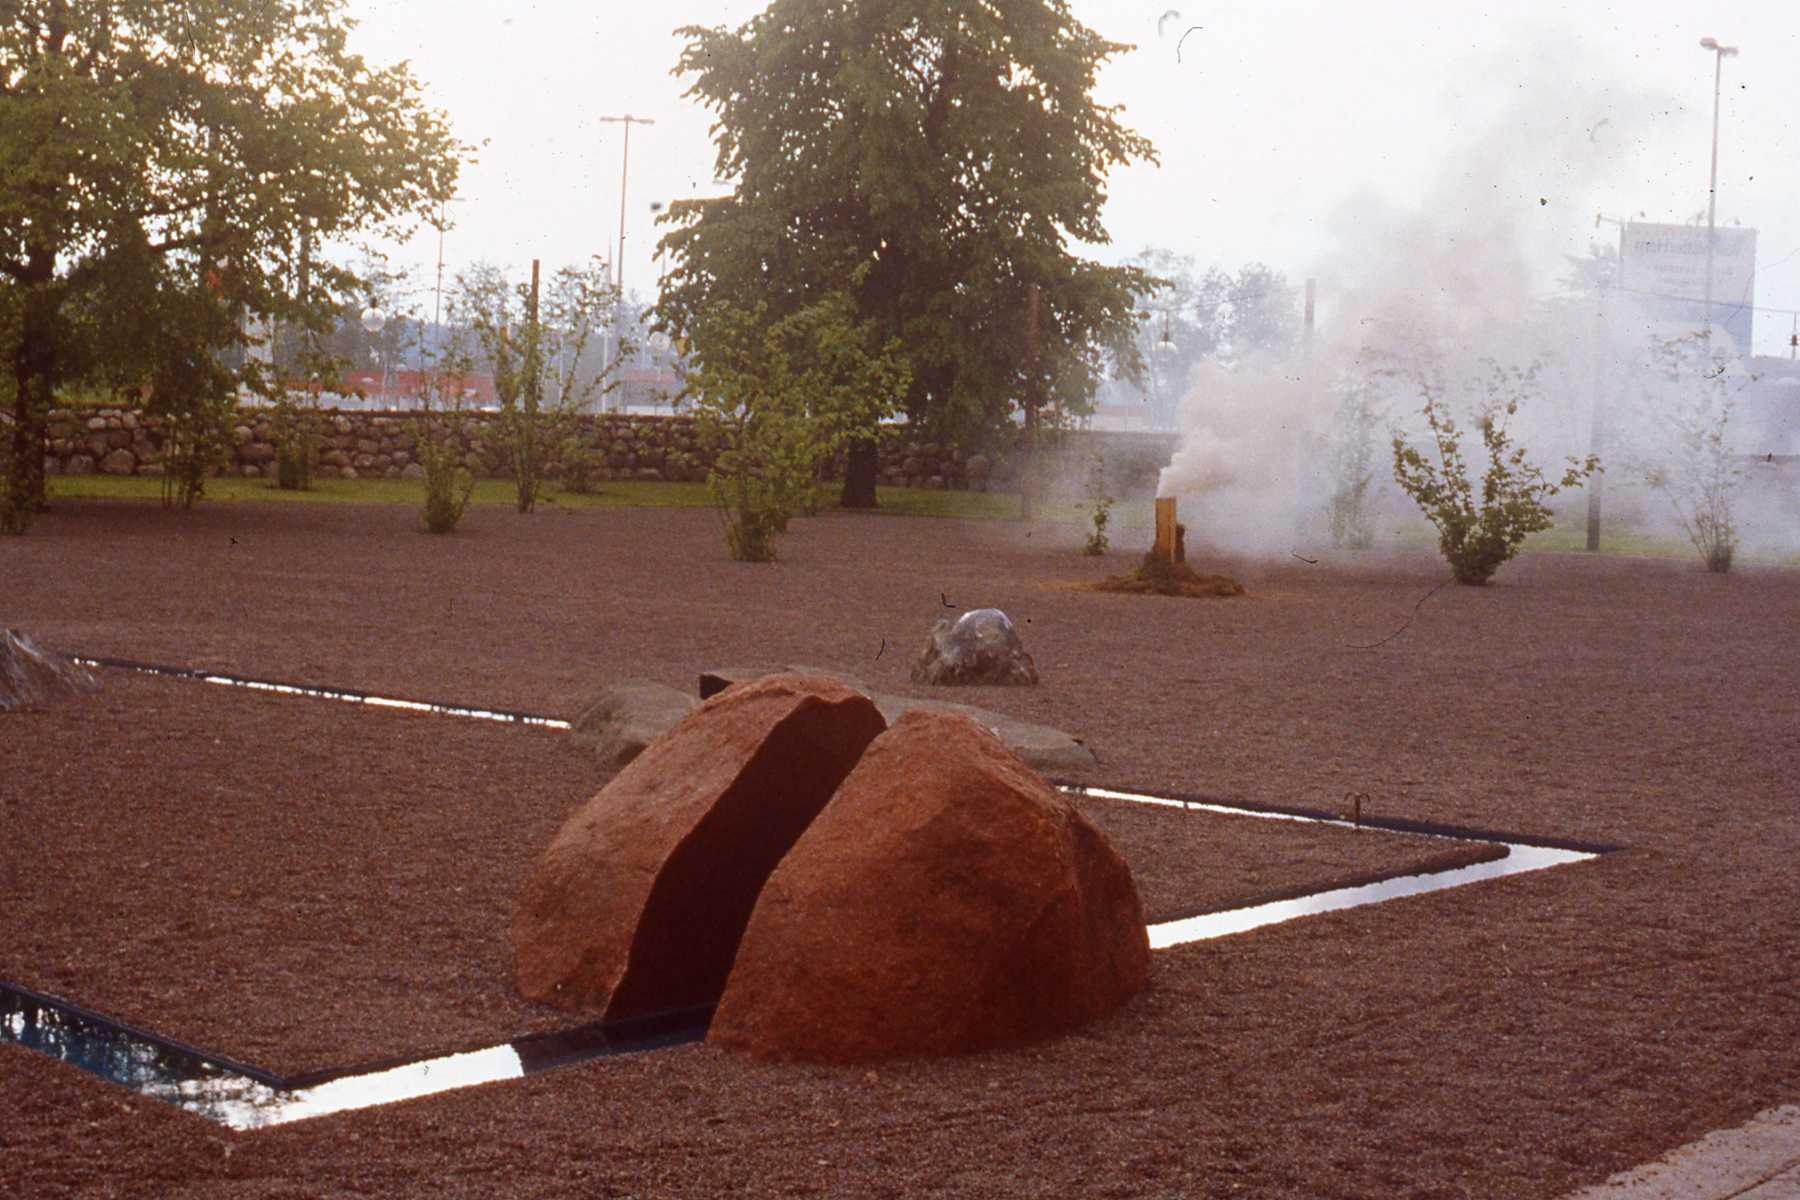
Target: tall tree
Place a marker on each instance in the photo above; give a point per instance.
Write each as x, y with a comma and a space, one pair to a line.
948, 148
179, 159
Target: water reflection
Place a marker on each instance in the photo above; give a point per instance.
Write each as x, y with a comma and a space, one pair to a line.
153, 1066
244, 1098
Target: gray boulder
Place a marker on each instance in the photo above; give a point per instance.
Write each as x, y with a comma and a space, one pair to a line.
623, 718
719, 678
979, 647
32, 676
1041, 747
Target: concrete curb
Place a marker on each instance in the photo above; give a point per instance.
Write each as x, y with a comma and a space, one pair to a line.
1759, 1160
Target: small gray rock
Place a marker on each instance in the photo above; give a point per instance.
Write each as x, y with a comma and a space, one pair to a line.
979, 647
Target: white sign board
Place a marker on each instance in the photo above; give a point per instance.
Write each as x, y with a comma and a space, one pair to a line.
1664, 268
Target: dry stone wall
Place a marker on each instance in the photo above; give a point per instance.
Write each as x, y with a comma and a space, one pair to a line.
384, 445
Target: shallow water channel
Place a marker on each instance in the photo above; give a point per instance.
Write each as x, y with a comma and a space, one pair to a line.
1519, 858
243, 1097
346, 695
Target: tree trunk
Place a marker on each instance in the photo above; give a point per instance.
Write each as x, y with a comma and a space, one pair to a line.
34, 367
861, 465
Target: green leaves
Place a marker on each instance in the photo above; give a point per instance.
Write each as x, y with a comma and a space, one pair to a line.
162, 167
1476, 539
778, 401
936, 154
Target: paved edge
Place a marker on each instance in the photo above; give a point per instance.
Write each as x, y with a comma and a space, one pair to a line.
1726, 1163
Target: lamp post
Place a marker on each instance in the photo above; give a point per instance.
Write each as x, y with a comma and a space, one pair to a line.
624, 175
624, 171
1720, 54
373, 320
1165, 352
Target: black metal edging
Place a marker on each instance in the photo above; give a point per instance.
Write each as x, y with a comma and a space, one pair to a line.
321, 691
546, 1050
1472, 833
517, 716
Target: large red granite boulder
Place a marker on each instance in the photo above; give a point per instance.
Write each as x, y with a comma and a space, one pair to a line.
947, 900
639, 902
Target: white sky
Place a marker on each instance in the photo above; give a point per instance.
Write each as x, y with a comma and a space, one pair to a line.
1281, 128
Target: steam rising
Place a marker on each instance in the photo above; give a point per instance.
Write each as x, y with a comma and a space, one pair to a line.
1430, 292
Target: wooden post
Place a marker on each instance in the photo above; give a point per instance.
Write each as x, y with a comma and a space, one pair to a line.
1166, 538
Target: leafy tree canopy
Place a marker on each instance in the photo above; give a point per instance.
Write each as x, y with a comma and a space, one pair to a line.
935, 157
163, 164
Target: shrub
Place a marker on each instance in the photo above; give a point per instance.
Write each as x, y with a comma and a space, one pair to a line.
524, 336
296, 447
196, 442
448, 482
779, 399
1476, 538
1100, 507
1350, 449
752, 519
1691, 462
580, 463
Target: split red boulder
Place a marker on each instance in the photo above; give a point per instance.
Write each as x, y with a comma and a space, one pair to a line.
639, 903
947, 900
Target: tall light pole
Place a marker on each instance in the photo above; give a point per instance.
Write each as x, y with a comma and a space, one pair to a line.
619, 262
1720, 54
624, 173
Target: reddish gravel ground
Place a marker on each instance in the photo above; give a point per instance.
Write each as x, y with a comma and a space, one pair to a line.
1512, 1039
358, 914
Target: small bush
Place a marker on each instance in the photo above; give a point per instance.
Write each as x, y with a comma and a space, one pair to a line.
1476, 538
1690, 460
752, 518
196, 442
448, 484
581, 463
296, 447
1100, 511
777, 401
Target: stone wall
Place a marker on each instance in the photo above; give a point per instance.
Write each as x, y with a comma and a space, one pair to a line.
370, 445
383, 445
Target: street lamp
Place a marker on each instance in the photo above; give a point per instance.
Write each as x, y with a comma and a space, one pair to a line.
1165, 351
373, 320
624, 175
1712, 186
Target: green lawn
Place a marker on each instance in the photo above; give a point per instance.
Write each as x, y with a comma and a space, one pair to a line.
910, 502
1570, 537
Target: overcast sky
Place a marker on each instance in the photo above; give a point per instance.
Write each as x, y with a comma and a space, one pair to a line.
1287, 131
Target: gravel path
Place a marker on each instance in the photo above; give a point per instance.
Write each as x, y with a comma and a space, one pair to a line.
1514, 1039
